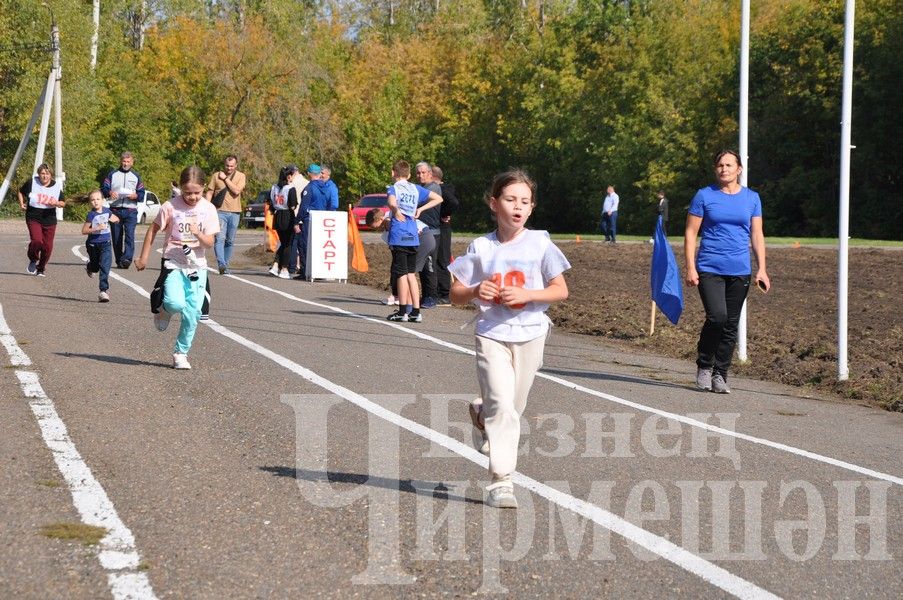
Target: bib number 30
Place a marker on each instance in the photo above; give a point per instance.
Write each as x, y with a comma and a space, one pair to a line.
510, 279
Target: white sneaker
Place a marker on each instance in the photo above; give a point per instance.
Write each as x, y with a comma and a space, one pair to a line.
103, 297
161, 320
274, 270
501, 495
283, 274
391, 301
180, 361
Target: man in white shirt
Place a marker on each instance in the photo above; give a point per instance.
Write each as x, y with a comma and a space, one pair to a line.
609, 224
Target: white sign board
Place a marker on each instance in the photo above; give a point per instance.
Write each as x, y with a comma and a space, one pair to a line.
327, 245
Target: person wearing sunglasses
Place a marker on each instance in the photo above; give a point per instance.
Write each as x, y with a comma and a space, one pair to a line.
728, 216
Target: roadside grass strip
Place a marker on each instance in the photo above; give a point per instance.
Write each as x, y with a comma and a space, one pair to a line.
117, 552
655, 544
592, 392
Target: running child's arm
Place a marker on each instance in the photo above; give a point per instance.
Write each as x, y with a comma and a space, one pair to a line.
206, 239
556, 291
461, 294
86, 228
141, 261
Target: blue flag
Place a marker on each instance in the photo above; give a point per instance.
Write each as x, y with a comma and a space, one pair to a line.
667, 290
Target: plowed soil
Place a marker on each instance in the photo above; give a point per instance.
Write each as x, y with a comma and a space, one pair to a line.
792, 330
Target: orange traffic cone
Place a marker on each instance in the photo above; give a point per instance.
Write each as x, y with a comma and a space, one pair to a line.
578, 238
796, 244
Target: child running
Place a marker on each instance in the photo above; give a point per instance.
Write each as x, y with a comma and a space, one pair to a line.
190, 223
99, 242
512, 275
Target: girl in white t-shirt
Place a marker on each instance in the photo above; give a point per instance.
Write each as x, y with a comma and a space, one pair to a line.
191, 223
512, 275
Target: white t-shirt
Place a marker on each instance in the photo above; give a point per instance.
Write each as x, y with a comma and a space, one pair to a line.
529, 261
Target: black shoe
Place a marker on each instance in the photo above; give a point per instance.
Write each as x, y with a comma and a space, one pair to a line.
443, 302
398, 316
126, 264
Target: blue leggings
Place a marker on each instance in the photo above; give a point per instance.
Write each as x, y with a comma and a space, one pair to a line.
183, 296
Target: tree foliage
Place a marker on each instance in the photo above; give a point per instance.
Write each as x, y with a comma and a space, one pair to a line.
581, 93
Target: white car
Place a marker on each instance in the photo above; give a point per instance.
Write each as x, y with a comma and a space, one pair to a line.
148, 209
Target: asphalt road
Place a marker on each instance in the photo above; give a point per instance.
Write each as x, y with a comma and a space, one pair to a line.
317, 450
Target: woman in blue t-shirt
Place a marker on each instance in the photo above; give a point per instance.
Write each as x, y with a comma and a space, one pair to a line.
728, 216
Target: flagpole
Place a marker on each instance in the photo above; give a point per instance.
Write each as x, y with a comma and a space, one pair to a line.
843, 233
744, 144
652, 320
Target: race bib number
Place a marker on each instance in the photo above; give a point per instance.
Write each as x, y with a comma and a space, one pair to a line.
509, 279
280, 202
100, 223
181, 228
38, 200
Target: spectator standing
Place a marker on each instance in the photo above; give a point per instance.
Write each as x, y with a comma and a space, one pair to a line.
124, 189
283, 201
315, 196
332, 188
407, 202
443, 251
728, 216
609, 223
39, 197
432, 218
662, 211
224, 190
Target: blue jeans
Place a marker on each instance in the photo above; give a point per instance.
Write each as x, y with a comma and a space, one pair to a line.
609, 226
183, 296
124, 234
228, 225
100, 257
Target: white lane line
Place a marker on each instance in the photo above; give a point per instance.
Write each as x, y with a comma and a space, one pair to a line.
118, 554
577, 387
660, 546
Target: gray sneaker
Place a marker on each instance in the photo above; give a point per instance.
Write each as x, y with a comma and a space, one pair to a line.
719, 385
501, 495
703, 379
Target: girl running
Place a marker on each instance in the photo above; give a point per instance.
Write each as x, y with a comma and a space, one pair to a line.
190, 223
512, 275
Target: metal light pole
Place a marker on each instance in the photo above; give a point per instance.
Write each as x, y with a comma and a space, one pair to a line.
51, 97
744, 144
843, 233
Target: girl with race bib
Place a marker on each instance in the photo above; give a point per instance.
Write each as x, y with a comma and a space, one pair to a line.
39, 197
283, 202
512, 275
190, 222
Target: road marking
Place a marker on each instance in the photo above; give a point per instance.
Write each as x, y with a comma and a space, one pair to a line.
118, 554
580, 388
660, 546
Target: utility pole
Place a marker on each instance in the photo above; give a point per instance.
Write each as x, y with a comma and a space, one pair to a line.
50, 98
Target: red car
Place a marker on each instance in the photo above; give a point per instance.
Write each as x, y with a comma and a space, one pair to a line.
367, 203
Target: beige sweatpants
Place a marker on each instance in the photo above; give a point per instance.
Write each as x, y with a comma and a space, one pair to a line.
505, 371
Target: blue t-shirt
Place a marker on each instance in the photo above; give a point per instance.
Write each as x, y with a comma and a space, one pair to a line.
409, 196
726, 221
97, 219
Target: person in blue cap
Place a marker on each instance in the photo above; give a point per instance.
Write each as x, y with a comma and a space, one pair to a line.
315, 196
